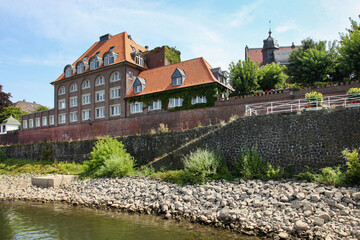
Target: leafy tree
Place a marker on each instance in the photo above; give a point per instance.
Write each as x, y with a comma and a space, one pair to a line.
4, 99
312, 63
244, 76
350, 51
16, 112
272, 76
41, 108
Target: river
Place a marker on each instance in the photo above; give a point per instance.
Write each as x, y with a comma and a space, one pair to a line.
20, 220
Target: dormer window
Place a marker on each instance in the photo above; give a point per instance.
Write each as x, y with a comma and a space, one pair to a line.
68, 71
109, 58
80, 67
62, 90
139, 85
178, 77
139, 60
94, 63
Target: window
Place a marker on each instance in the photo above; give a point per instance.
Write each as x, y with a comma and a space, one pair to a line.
178, 77
62, 118
86, 114
131, 75
73, 117
175, 102
115, 93
31, 123
73, 101
115, 77
100, 96
109, 58
37, 122
24, 124
94, 63
100, 81
177, 81
80, 68
100, 112
62, 90
86, 99
136, 107
44, 121
73, 87
139, 60
198, 99
137, 89
52, 120
62, 104
115, 110
68, 71
155, 105
86, 84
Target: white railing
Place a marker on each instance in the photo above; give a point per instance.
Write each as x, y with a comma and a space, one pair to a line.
302, 104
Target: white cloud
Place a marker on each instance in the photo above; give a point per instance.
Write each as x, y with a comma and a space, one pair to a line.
245, 15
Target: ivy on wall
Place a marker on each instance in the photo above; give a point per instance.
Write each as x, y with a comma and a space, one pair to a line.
210, 91
171, 53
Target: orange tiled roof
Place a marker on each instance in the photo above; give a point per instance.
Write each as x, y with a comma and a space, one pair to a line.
122, 46
197, 72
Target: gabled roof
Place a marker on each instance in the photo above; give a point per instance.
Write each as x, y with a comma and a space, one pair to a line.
11, 121
122, 46
27, 106
197, 71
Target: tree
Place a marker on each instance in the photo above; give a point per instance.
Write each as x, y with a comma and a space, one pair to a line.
16, 112
4, 99
243, 77
350, 51
312, 63
272, 76
41, 108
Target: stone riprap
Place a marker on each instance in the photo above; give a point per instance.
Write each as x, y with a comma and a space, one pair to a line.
277, 209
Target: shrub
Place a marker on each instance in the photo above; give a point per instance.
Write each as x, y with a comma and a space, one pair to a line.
353, 92
251, 165
353, 166
116, 166
3, 156
102, 151
163, 128
274, 173
314, 98
202, 165
330, 176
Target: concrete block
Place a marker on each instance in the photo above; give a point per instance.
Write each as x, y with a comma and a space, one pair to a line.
53, 181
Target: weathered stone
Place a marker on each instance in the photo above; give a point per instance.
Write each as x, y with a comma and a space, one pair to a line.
315, 198
356, 195
300, 225
283, 235
257, 203
324, 216
318, 221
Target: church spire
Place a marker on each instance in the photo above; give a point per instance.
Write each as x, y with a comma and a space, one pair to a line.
269, 28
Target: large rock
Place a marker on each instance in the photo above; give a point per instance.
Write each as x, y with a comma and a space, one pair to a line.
300, 225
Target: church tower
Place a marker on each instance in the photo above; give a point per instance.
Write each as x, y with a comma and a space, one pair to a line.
270, 45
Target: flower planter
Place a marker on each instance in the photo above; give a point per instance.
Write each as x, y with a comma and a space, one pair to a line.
313, 107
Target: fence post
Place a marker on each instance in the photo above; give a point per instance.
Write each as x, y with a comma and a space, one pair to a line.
271, 107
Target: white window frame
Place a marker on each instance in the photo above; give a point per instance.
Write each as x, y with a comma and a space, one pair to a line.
131, 75
25, 125
86, 84
73, 87
72, 114
62, 104
62, 90
139, 60
94, 63
109, 59
86, 97
37, 122
74, 101
31, 123
62, 118
115, 110
68, 71
100, 81
175, 102
100, 112
115, 77
137, 89
136, 107
115, 92
86, 114
51, 120
155, 105
197, 99
80, 68
100, 96
177, 81
44, 121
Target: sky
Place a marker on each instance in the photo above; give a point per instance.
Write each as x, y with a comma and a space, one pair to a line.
39, 37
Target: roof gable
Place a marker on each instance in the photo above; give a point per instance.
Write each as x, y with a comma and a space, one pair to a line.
178, 73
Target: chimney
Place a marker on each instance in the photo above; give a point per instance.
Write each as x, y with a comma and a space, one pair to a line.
105, 37
129, 37
293, 45
147, 48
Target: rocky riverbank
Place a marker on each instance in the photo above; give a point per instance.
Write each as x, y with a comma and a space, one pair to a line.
276, 209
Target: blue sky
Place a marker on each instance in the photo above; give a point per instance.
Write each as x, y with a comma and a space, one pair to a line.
39, 37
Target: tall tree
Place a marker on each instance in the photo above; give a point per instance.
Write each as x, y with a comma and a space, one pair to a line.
16, 112
272, 76
41, 108
4, 99
313, 62
243, 77
350, 51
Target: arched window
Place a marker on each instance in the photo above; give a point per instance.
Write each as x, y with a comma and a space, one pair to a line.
73, 87
86, 84
94, 63
109, 58
68, 71
80, 68
100, 81
115, 77
62, 90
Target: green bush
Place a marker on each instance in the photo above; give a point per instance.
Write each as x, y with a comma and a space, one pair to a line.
251, 165
308, 175
330, 176
103, 150
201, 166
274, 173
353, 166
353, 92
116, 166
314, 98
3, 156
